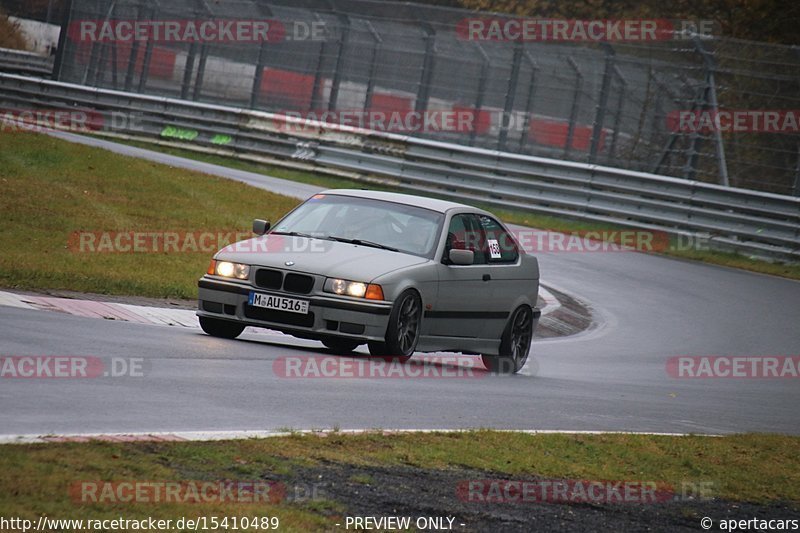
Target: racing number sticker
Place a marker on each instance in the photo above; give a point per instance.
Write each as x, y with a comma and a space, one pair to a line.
494, 249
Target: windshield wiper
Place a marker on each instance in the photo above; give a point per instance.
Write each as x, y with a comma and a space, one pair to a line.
364, 243
294, 234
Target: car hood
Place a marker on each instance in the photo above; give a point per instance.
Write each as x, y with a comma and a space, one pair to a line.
317, 256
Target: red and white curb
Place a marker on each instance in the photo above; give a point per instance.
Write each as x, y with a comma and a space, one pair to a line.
189, 436
151, 315
551, 303
111, 311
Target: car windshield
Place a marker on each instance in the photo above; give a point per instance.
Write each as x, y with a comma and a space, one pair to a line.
367, 222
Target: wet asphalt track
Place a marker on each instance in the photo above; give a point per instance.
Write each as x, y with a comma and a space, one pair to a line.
614, 377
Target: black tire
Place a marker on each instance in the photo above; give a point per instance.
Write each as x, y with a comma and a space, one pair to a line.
402, 333
340, 346
515, 344
378, 350
221, 328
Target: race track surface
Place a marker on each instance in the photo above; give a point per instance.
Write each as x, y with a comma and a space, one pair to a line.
614, 377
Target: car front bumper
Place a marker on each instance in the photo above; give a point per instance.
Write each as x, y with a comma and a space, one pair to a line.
327, 316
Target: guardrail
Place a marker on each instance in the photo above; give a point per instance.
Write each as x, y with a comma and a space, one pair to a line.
733, 219
22, 62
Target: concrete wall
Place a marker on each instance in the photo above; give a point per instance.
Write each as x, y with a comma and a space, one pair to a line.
41, 37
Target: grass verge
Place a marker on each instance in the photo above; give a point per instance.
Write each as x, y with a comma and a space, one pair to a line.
41, 478
53, 190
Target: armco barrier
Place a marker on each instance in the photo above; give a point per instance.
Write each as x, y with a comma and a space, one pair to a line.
739, 219
25, 62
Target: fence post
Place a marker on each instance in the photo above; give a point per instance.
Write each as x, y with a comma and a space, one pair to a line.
58, 65
796, 187
526, 124
690, 168
711, 67
481, 92
91, 72
133, 56
573, 115
602, 103
201, 72
259, 75
262, 56
188, 71
344, 21
148, 52
373, 66
100, 65
424, 93
673, 138
511, 95
114, 65
612, 150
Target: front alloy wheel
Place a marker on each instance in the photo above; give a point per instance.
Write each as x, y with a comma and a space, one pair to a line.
403, 331
515, 344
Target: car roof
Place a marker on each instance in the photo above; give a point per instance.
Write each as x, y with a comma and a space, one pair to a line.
433, 204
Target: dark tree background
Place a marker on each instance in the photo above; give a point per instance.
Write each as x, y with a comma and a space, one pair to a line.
35, 9
774, 21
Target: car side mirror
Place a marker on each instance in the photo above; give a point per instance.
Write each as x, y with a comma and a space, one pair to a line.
462, 257
260, 227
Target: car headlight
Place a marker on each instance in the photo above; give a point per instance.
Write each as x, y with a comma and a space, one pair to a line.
356, 289
227, 269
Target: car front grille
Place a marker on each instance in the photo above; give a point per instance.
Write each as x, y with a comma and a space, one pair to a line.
269, 279
298, 283
275, 280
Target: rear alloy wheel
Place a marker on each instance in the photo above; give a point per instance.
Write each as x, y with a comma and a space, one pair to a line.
340, 346
221, 328
403, 331
515, 344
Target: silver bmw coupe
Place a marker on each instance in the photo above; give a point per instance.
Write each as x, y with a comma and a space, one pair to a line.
401, 273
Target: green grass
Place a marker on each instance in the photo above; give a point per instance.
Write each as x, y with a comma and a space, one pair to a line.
53, 189
36, 478
512, 216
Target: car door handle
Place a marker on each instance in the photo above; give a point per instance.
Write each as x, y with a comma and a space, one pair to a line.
487, 277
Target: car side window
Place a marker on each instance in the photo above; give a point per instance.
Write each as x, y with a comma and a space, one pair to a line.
500, 247
464, 233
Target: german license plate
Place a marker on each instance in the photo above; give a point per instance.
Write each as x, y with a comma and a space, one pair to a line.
278, 303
